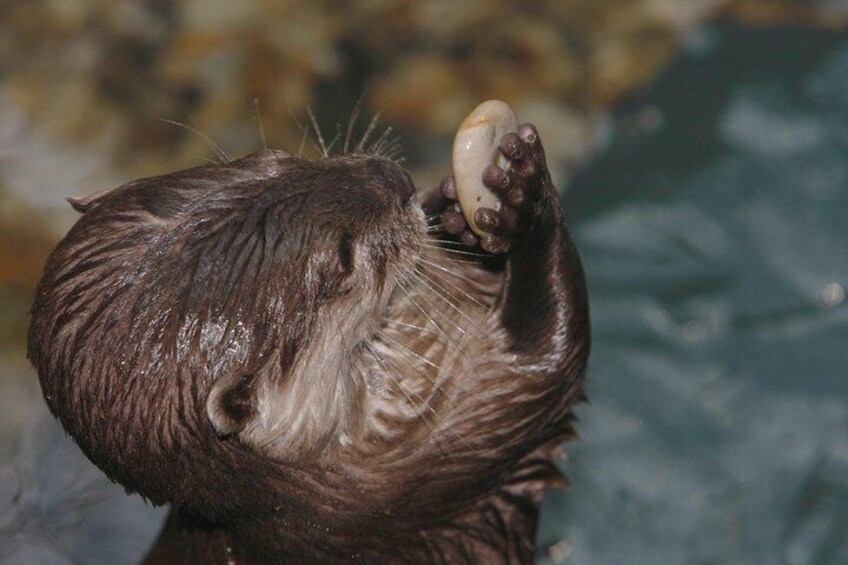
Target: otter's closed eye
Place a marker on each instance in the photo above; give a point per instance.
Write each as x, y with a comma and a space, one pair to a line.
346, 250
333, 285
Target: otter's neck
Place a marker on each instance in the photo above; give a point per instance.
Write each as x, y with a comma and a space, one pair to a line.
190, 540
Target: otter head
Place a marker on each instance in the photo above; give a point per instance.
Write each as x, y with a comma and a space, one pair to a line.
189, 316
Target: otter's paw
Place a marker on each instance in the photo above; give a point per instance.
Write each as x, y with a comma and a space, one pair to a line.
452, 219
520, 188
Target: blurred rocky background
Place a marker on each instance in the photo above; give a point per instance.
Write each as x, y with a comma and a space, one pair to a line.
702, 150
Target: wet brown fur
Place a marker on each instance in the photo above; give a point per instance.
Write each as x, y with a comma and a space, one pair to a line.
278, 349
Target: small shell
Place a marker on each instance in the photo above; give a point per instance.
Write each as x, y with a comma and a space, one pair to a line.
475, 147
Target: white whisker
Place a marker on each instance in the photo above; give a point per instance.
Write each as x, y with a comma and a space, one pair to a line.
303, 129
446, 270
372, 125
463, 292
318, 133
333, 142
422, 402
411, 326
351, 124
303, 141
449, 243
454, 251
428, 405
222, 153
259, 123
410, 351
444, 296
435, 308
420, 309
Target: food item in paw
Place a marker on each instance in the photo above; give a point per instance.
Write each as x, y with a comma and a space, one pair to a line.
475, 147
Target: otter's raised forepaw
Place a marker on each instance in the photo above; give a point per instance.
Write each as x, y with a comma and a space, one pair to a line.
518, 187
452, 219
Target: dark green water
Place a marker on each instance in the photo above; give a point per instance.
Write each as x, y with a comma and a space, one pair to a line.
714, 229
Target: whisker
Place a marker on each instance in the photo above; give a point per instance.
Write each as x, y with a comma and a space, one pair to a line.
435, 381
394, 150
412, 352
435, 244
454, 251
428, 406
447, 242
459, 346
303, 141
372, 125
379, 146
435, 220
397, 377
420, 309
334, 141
453, 260
378, 143
304, 130
259, 123
214, 145
351, 123
448, 271
227, 155
411, 326
435, 308
444, 296
422, 403
464, 293
318, 133
447, 429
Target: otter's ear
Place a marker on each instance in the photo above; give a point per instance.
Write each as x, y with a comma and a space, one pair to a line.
83, 204
231, 405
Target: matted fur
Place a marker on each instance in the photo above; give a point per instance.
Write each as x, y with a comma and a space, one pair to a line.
283, 351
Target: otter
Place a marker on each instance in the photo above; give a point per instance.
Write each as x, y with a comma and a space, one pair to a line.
310, 362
